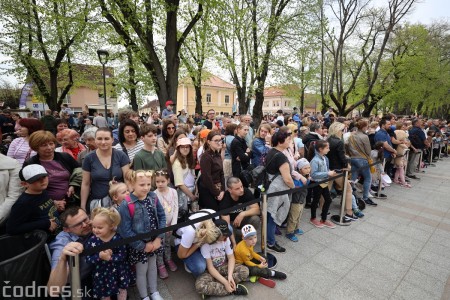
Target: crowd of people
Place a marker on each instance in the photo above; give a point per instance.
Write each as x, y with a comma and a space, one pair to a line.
96, 180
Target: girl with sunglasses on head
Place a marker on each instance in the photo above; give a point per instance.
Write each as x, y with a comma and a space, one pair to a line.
142, 212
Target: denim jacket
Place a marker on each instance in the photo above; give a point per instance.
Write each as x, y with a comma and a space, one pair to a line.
319, 167
141, 221
259, 149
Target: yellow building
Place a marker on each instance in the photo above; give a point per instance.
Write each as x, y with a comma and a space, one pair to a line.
286, 98
217, 94
86, 93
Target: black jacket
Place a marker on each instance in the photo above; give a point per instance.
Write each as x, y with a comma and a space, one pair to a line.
336, 156
310, 137
237, 149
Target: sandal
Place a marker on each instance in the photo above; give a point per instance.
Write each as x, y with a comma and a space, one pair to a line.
406, 185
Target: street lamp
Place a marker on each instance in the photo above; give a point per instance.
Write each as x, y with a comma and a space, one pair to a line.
103, 57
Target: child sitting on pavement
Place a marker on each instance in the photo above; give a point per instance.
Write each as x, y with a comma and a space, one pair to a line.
256, 264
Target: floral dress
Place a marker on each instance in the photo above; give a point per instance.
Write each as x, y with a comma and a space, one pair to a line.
136, 256
108, 276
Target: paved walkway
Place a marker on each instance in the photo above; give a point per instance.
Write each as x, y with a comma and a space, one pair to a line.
399, 250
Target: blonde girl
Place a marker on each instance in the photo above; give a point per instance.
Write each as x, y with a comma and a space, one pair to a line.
142, 212
118, 191
223, 275
169, 200
111, 270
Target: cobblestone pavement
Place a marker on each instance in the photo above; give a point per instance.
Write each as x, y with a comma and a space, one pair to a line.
399, 250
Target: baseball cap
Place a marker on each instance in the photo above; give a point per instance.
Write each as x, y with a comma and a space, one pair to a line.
223, 226
32, 173
169, 102
248, 231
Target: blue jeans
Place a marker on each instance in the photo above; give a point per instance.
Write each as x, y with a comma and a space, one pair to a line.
358, 163
271, 226
196, 263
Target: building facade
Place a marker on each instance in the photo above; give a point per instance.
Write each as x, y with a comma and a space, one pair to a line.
217, 94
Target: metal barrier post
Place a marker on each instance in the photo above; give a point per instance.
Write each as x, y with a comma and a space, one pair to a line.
380, 180
75, 281
431, 155
271, 259
406, 160
264, 223
339, 219
420, 160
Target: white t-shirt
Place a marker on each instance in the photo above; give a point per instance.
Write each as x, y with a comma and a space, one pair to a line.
217, 252
187, 233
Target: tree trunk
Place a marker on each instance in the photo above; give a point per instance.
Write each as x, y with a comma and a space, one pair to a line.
198, 99
52, 102
257, 108
242, 100
132, 80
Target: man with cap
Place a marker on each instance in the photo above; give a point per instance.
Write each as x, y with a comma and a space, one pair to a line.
168, 111
34, 209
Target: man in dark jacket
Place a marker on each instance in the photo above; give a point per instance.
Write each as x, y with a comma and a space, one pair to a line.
417, 138
49, 121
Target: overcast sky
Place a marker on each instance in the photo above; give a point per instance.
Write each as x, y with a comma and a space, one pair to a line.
425, 11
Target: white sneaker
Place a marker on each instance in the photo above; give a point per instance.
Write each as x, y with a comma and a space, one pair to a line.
156, 296
187, 269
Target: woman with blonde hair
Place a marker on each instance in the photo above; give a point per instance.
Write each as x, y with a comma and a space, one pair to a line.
338, 161
69, 142
261, 144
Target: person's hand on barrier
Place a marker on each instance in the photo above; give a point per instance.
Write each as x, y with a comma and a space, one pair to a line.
156, 244
73, 248
332, 173
220, 197
394, 155
105, 255
238, 220
53, 225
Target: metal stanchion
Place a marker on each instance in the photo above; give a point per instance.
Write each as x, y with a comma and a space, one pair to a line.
378, 194
271, 259
431, 155
420, 160
75, 281
339, 219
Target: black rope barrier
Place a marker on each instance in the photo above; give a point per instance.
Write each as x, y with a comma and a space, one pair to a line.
154, 233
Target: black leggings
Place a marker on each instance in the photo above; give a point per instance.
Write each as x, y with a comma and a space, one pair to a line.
320, 191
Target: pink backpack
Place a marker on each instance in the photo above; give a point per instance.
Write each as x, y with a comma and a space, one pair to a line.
131, 207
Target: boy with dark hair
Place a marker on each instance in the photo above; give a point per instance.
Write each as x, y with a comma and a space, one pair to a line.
34, 209
149, 157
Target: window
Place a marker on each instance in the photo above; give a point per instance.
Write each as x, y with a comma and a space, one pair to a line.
208, 98
286, 103
227, 99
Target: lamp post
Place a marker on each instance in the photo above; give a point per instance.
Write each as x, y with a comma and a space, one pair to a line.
103, 57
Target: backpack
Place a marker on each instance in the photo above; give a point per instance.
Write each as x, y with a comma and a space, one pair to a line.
131, 206
258, 175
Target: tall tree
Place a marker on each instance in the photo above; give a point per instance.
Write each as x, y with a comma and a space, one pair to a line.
140, 24
40, 36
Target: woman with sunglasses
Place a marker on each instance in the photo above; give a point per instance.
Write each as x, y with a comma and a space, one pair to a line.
211, 184
129, 142
167, 132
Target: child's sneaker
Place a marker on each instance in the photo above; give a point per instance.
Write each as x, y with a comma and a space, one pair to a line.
279, 275
267, 282
172, 265
299, 232
316, 223
156, 296
240, 290
292, 237
328, 224
163, 274
358, 213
